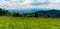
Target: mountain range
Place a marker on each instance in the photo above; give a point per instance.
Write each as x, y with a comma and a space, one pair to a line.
49, 13
29, 10
39, 12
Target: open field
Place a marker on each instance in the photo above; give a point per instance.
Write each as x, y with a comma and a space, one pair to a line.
29, 23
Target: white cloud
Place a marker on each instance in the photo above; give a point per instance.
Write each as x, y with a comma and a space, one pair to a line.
54, 1
15, 4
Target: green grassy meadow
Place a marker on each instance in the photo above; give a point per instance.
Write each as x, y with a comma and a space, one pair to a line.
29, 23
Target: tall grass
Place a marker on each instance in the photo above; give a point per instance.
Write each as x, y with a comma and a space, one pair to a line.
29, 23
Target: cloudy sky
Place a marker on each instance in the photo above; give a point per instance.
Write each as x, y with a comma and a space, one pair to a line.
20, 4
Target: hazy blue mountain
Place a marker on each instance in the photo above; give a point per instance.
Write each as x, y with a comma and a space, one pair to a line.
50, 13
28, 10
39, 12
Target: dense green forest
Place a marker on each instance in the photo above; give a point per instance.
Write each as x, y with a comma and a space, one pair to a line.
39, 13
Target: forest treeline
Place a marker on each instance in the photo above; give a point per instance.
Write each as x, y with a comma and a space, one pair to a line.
46, 14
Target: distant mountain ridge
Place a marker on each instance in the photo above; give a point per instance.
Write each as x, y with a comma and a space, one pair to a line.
29, 10
49, 13
42, 13
38, 12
